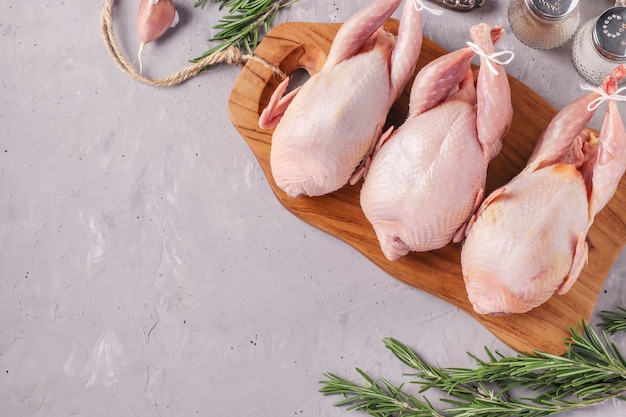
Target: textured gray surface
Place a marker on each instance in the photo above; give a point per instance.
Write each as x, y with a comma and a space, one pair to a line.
146, 269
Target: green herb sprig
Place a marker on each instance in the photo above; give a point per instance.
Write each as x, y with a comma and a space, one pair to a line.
613, 321
245, 23
531, 385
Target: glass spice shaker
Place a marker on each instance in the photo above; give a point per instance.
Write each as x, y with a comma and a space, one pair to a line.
543, 24
600, 44
461, 5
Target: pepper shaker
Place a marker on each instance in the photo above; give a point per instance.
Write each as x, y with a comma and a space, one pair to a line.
460, 5
543, 24
600, 44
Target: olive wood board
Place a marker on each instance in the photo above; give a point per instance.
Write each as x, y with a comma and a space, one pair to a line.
294, 45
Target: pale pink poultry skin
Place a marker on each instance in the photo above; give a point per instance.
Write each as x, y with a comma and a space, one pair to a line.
528, 239
428, 177
324, 129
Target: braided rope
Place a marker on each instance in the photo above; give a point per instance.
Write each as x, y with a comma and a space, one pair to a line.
232, 56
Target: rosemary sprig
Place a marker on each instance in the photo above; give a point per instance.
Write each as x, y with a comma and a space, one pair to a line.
613, 321
380, 398
244, 25
531, 385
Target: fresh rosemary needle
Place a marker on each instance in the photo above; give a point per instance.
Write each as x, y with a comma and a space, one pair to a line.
531, 385
244, 25
612, 321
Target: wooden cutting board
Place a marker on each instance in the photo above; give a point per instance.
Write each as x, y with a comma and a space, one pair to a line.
304, 45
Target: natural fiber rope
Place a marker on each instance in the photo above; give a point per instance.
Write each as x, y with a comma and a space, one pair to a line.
232, 55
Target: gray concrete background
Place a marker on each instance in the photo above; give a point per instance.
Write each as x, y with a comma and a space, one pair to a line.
146, 269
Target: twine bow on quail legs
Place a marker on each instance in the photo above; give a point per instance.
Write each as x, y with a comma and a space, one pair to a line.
232, 56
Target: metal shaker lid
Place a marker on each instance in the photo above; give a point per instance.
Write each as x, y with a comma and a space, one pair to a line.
552, 10
609, 35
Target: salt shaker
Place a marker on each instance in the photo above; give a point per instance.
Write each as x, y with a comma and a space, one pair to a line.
600, 44
543, 24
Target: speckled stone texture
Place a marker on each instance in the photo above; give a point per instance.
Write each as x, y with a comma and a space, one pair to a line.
146, 269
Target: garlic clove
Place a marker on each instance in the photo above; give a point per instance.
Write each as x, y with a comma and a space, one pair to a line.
154, 18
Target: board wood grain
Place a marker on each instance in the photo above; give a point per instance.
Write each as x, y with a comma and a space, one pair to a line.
304, 45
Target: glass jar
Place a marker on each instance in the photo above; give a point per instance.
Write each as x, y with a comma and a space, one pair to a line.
543, 24
462, 5
600, 45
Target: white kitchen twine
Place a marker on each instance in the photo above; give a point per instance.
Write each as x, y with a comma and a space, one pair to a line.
491, 58
604, 96
419, 6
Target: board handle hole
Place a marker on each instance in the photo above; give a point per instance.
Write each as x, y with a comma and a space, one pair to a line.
299, 64
297, 78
